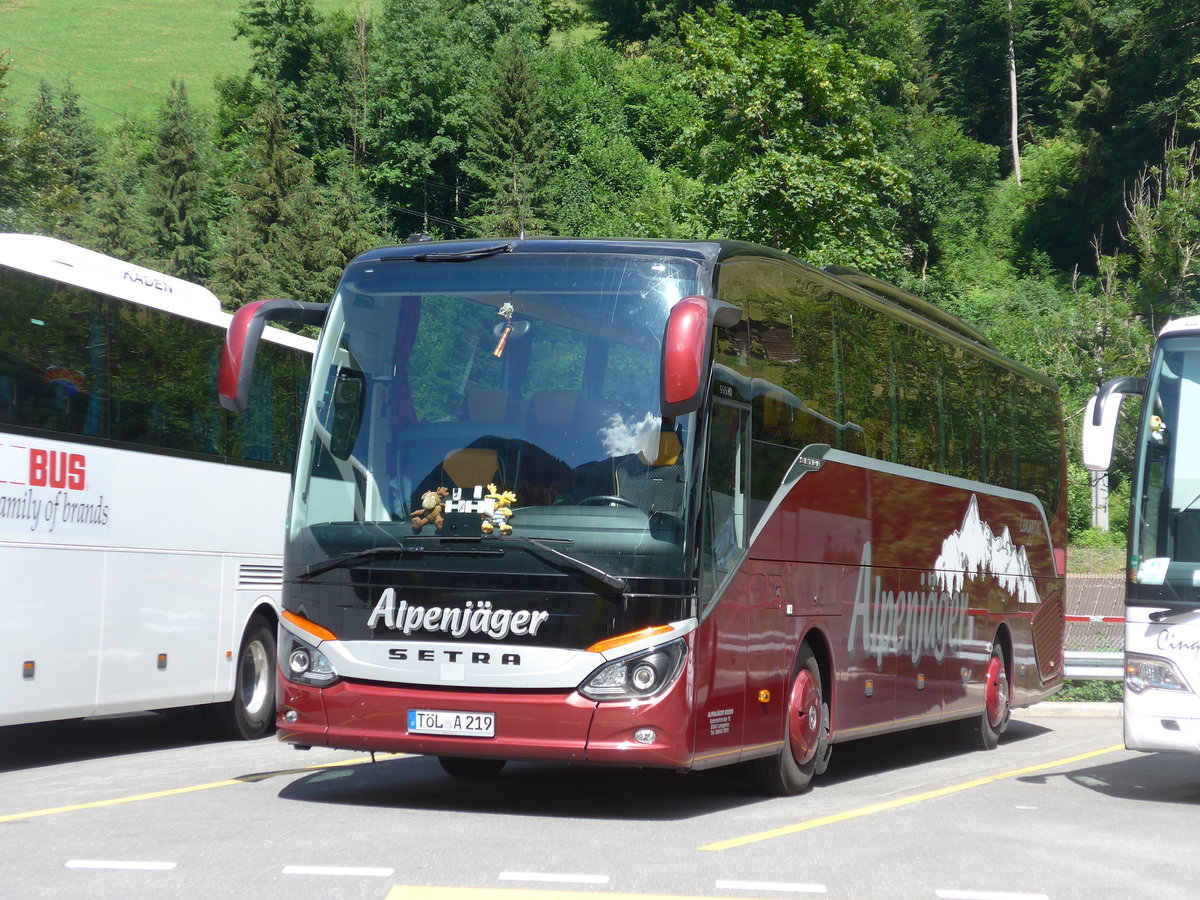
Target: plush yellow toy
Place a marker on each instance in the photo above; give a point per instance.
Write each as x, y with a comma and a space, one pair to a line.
501, 512
431, 510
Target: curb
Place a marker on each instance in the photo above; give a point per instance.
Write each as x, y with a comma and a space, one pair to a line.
1070, 709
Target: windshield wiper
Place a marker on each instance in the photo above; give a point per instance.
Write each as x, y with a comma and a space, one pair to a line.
458, 255
354, 556
546, 551
1163, 614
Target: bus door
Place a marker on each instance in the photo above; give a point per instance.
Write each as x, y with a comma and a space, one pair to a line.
722, 651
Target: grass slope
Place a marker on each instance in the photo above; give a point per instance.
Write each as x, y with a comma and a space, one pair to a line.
122, 54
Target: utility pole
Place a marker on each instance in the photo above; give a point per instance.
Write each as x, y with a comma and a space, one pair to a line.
1100, 501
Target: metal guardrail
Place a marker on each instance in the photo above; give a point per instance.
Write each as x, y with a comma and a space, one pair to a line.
1096, 665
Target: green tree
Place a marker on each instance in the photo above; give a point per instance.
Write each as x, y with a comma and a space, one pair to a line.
510, 150
178, 189
51, 200
356, 222
1163, 207
302, 59
115, 221
11, 189
427, 81
617, 120
785, 145
61, 157
241, 270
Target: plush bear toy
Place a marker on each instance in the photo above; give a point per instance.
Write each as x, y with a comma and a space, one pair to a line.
431, 510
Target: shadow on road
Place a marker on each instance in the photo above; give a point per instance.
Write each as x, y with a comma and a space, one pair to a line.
593, 792
51, 743
1146, 778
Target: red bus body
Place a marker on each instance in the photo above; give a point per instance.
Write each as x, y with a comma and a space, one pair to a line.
814, 543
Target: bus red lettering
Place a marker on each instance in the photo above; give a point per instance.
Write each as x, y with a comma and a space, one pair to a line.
38, 475
57, 469
76, 464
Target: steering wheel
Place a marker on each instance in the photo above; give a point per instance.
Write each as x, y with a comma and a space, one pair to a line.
607, 500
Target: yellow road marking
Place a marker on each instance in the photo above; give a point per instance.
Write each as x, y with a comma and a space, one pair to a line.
414, 892
901, 801
156, 795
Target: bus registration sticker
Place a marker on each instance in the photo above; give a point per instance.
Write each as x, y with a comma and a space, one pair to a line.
459, 724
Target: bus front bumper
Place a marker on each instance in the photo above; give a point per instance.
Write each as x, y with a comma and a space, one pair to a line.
1162, 721
564, 727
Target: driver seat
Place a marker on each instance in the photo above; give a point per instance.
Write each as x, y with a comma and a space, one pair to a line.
655, 485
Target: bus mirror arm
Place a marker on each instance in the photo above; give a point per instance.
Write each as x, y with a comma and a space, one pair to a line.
1129, 384
723, 315
1100, 421
241, 343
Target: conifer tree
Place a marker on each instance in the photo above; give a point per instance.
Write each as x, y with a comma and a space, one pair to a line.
50, 198
241, 270
115, 221
274, 169
11, 188
510, 152
61, 154
356, 221
178, 186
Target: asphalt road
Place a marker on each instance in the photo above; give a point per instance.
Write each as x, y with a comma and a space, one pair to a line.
146, 806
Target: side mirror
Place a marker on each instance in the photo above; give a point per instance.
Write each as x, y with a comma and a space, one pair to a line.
1100, 421
687, 351
241, 343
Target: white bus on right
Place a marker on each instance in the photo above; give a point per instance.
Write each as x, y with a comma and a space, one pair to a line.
1162, 596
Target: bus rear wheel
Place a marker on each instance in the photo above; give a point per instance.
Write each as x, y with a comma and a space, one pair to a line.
251, 712
997, 697
806, 747
471, 767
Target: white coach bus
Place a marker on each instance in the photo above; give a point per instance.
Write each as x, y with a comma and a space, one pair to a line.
1162, 589
141, 526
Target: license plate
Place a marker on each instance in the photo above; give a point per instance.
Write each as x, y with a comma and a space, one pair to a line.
458, 724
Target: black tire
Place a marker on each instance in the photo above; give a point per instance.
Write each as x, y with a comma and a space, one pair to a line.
806, 748
251, 713
471, 767
993, 721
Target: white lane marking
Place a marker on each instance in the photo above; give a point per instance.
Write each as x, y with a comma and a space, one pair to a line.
140, 865
554, 877
784, 887
361, 872
988, 895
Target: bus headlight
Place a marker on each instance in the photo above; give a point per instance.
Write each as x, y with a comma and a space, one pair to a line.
303, 663
637, 676
1152, 673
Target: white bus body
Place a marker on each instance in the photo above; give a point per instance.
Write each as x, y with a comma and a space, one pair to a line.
1162, 606
142, 566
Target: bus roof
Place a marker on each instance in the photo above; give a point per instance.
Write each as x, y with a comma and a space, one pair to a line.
1180, 326
60, 261
51, 258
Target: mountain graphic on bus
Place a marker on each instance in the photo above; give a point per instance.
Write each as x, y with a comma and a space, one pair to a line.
975, 551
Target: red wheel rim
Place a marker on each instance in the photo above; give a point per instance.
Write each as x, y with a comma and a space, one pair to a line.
997, 692
804, 716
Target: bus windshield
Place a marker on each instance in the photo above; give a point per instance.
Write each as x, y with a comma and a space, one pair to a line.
497, 395
1165, 548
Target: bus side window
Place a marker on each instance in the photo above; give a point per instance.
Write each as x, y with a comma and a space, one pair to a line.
868, 381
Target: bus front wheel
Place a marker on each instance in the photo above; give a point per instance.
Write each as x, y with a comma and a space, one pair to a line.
251, 712
806, 738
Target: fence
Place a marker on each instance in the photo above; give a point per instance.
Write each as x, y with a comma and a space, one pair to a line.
1094, 615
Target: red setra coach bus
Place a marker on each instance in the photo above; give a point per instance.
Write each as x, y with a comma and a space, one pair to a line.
657, 503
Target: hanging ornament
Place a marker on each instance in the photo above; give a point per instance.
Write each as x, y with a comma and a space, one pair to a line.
507, 311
